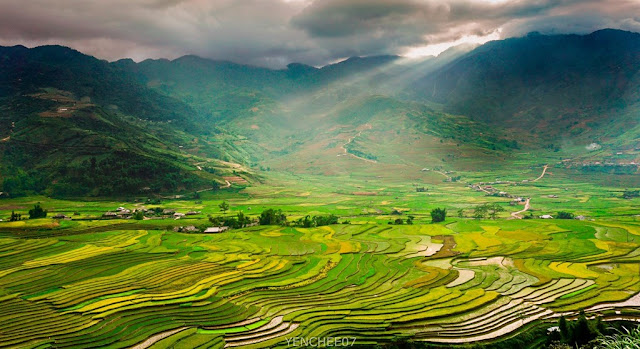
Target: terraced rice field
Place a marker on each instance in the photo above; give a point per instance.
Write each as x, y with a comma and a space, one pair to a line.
462, 282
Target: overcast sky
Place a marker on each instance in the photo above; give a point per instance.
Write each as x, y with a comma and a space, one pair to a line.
276, 32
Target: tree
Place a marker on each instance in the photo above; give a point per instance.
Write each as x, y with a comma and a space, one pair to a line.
325, 220
316, 221
565, 215
480, 212
217, 221
37, 212
138, 215
243, 220
398, 221
272, 217
581, 332
239, 221
215, 185
438, 215
15, 217
493, 209
224, 206
410, 219
307, 222
563, 327
461, 213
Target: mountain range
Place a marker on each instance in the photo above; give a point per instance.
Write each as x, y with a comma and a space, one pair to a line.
74, 125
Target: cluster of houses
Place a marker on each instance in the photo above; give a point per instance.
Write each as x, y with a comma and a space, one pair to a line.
120, 212
548, 216
517, 201
193, 229
490, 190
124, 213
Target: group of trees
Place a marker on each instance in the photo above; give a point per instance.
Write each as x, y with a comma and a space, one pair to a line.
565, 215
400, 221
487, 210
15, 217
581, 333
272, 217
120, 173
36, 212
316, 221
240, 220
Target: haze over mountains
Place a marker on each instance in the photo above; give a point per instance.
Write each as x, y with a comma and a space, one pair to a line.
69, 121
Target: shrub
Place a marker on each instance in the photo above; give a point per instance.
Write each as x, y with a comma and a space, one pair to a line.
565, 215
272, 217
438, 215
37, 212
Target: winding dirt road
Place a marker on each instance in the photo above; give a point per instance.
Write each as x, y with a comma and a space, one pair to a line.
344, 146
444, 174
527, 206
227, 185
544, 170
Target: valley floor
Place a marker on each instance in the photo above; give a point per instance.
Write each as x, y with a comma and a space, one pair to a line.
86, 281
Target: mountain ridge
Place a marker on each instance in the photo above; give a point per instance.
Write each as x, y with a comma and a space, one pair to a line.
535, 92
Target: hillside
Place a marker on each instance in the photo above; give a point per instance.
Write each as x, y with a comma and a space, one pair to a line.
560, 86
74, 125
24, 71
169, 126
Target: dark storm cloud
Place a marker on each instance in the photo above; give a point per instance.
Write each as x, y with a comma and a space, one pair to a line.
276, 32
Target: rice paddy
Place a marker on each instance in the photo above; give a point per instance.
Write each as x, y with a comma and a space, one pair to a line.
143, 286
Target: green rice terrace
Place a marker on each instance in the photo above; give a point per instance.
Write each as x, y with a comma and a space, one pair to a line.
97, 284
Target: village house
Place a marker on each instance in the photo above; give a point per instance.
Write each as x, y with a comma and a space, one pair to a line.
168, 211
61, 216
187, 229
178, 215
212, 230
110, 215
546, 216
123, 212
